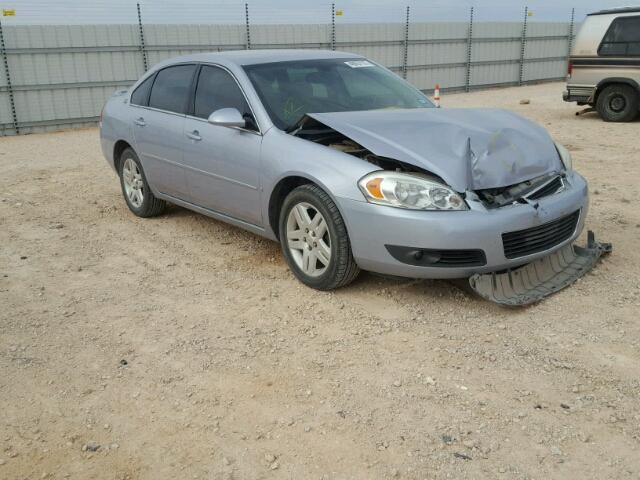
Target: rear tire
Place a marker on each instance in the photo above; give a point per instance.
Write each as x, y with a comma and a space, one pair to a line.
618, 103
135, 189
315, 241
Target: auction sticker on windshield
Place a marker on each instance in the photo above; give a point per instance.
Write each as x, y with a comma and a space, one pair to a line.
359, 63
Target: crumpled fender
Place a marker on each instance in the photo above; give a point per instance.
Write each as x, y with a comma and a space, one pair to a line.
534, 281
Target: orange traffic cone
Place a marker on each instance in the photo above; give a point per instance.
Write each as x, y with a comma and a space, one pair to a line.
436, 95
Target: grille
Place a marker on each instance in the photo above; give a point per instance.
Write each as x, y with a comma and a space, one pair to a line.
427, 257
541, 238
554, 186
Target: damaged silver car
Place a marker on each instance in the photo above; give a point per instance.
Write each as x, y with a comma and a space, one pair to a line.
349, 167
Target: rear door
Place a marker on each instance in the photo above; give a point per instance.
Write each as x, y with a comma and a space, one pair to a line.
158, 127
222, 164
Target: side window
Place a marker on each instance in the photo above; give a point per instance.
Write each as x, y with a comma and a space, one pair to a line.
622, 38
217, 89
141, 94
171, 88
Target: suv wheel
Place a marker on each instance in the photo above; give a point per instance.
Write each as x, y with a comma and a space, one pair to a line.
618, 103
135, 188
314, 239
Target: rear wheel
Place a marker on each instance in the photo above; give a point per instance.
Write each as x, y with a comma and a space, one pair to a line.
618, 103
314, 239
135, 189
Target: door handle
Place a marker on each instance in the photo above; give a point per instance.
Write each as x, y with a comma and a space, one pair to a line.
195, 135
140, 122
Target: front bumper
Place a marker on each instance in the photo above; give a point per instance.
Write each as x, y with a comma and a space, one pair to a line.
373, 227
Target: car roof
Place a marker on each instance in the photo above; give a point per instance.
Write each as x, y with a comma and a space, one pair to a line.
629, 9
253, 57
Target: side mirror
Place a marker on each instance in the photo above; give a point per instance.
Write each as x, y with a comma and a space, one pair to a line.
227, 117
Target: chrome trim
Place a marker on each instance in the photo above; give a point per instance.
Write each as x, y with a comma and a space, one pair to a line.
204, 120
169, 112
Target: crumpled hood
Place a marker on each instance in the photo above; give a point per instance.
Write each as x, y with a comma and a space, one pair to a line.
469, 148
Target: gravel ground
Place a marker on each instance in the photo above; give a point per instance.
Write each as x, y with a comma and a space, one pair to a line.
181, 347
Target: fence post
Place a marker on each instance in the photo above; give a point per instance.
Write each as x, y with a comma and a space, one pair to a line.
143, 48
406, 45
333, 26
7, 73
570, 42
246, 22
467, 83
523, 43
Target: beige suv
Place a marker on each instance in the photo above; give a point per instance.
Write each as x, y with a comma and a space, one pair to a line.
604, 66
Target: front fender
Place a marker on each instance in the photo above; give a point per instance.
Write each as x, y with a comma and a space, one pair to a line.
337, 173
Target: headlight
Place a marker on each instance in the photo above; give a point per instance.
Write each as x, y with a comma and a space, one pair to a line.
409, 190
565, 156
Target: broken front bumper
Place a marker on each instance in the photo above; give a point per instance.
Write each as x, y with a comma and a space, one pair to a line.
383, 239
536, 280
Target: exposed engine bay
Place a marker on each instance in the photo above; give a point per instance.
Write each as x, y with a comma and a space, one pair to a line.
524, 192
316, 132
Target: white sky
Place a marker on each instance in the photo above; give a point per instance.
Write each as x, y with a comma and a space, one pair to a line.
290, 11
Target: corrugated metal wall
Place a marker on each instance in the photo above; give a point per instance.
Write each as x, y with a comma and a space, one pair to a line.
62, 74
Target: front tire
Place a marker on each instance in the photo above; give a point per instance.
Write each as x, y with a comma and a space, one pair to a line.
135, 189
618, 103
315, 241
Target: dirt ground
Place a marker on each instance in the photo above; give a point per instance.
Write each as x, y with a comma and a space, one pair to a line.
183, 348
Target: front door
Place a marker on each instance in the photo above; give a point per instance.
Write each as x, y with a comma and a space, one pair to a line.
222, 164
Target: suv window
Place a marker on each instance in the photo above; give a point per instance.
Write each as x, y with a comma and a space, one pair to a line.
140, 95
622, 38
171, 88
217, 89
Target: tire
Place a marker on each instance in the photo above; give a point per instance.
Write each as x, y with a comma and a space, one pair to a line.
618, 103
336, 271
135, 189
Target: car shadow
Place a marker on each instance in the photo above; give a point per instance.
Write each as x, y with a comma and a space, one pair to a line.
369, 283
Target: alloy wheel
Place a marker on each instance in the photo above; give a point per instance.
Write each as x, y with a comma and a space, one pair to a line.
308, 239
133, 184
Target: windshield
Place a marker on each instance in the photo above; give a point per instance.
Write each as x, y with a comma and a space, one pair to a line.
289, 90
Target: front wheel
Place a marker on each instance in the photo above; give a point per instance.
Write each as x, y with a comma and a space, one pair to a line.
314, 239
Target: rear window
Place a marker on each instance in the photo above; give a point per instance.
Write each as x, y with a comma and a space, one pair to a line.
140, 95
622, 38
171, 88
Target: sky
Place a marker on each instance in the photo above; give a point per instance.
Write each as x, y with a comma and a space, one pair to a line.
292, 11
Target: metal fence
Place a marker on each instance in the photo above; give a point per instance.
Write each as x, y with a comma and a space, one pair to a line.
59, 76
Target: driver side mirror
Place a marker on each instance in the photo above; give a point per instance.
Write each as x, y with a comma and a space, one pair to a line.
227, 117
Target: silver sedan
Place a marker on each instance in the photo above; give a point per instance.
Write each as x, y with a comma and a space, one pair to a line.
350, 167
